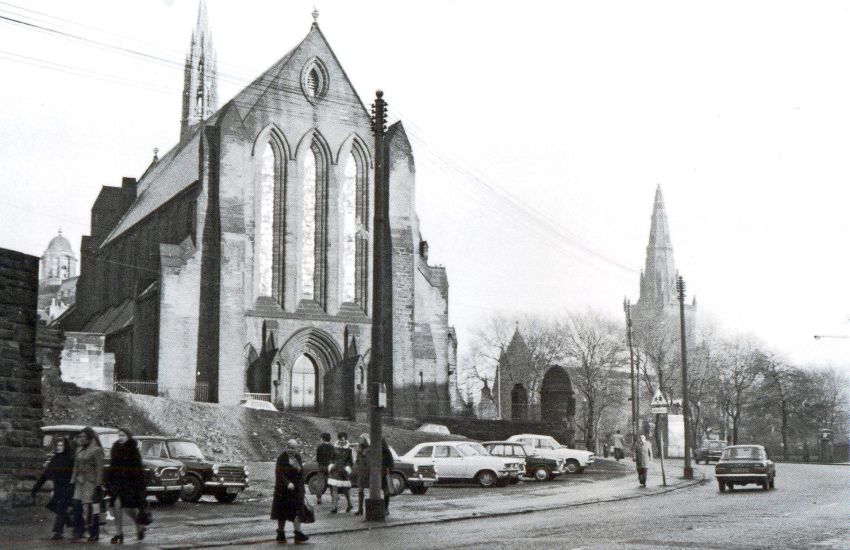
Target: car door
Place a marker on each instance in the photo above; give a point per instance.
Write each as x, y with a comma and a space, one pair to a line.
425, 455
448, 461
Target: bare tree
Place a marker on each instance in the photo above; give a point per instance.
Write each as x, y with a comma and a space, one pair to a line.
739, 371
594, 350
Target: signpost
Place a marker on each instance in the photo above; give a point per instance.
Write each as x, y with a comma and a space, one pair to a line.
659, 406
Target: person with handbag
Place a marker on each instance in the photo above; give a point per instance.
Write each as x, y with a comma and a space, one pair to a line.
125, 480
361, 471
87, 478
340, 472
324, 457
59, 471
288, 502
387, 463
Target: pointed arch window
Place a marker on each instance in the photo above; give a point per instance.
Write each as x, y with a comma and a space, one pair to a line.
355, 245
270, 217
314, 226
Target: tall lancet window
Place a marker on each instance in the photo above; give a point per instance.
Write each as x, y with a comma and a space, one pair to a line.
308, 226
350, 226
265, 237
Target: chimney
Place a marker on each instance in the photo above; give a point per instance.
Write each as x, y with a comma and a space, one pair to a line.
423, 250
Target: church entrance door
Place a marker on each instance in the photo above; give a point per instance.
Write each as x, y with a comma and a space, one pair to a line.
303, 384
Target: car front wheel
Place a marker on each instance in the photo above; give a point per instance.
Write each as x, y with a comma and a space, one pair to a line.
226, 498
572, 466
420, 490
773, 483
541, 473
399, 484
722, 486
192, 489
168, 498
486, 479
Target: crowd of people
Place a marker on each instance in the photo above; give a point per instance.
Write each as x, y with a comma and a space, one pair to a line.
82, 485
341, 467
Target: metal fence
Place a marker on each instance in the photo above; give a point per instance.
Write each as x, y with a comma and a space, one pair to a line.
258, 396
199, 392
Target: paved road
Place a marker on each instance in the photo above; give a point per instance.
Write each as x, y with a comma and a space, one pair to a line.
808, 509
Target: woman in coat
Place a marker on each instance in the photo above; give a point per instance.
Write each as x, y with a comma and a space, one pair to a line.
288, 501
88, 482
59, 471
125, 480
361, 471
340, 472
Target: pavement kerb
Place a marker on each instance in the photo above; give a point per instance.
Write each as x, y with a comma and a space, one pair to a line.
699, 478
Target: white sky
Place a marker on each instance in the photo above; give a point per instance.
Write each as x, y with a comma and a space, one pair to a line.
741, 111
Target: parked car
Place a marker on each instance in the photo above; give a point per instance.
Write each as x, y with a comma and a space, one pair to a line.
258, 404
434, 429
745, 464
711, 449
536, 466
404, 475
465, 461
163, 477
575, 460
203, 477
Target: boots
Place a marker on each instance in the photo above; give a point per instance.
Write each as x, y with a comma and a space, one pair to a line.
300, 537
281, 537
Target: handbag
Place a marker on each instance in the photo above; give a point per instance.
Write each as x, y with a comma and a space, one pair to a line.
309, 515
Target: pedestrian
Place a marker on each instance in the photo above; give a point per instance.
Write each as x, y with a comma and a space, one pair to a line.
59, 471
340, 472
387, 463
125, 481
361, 471
288, 501
87, 478
606, 445
643, 456
619, 445
324, 458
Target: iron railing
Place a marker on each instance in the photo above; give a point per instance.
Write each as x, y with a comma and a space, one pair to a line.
257, 396
199, 392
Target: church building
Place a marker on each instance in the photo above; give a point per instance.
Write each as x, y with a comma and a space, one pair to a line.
57, 279
239, 265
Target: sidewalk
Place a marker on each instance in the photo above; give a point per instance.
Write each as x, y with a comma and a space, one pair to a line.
423, 510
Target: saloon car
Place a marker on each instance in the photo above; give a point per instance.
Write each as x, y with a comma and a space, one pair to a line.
404, 475
536, 466
745, 464
203, 477
463, 461
163, 477
575, 460
711, 449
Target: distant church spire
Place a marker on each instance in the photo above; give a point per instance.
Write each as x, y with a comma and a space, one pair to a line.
200, 81
658, 280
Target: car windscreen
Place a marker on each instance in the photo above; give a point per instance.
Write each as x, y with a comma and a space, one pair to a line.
184, 449
745, 453
473, 449
716, 445
107, 440
151, 448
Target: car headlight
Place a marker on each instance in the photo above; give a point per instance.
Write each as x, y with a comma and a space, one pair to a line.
182, 471
215, 469
247, 472
157, 471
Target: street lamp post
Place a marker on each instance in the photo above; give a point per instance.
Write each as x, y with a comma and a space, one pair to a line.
627, 306
688, 470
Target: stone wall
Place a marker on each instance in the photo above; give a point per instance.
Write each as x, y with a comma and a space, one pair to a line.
20, 378
86, 363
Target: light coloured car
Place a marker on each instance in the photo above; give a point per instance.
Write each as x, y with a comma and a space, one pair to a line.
575, 460
462, 461
434, 429
258, 404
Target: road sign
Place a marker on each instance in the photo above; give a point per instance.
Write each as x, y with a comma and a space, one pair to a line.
659, 404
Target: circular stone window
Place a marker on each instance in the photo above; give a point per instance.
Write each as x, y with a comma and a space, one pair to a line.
314, 80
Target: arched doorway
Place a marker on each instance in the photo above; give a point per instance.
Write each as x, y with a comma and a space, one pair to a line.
303, 388
557, 403
519, 403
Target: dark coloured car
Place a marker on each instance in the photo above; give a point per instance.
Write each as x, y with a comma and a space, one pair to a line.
404, 476
163, 477
536, 466
745, 464
711, 449
203, 477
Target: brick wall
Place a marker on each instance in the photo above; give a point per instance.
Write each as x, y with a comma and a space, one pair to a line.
20, 378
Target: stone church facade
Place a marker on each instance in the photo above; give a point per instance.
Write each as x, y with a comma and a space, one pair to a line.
240, 262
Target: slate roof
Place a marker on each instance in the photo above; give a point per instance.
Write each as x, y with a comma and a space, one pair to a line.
112, 319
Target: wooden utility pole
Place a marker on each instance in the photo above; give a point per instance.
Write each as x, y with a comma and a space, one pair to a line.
686, 409
381, 310
627, 306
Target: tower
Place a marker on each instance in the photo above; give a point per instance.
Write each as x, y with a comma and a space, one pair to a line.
200, 81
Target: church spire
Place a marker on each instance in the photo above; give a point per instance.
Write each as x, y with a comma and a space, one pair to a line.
200, 81
658, 281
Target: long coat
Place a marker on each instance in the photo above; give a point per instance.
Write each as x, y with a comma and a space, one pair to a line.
288, 503
343, 458
88, 472
361, 467
643, 456
59, 471
125, 477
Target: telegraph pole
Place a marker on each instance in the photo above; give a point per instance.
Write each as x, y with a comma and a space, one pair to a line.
381, 282
627, 306
686, 409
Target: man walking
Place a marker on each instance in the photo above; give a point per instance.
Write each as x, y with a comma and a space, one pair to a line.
324, 456
619, 445
643, 456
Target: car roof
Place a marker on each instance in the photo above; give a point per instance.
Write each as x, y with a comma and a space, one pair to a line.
77, 428
745, 446
162, 438
531, 435
443, 443
501, 443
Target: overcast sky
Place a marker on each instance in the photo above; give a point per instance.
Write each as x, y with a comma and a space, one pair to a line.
540, 130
